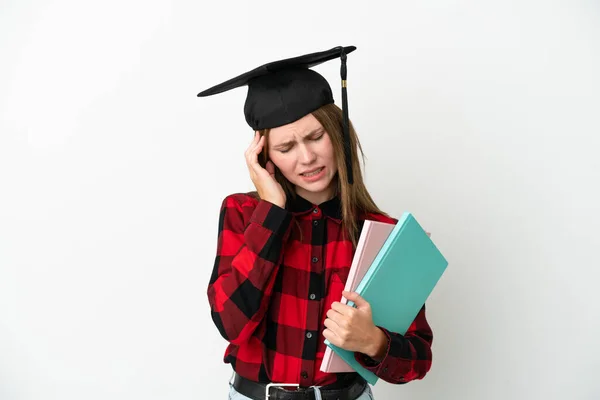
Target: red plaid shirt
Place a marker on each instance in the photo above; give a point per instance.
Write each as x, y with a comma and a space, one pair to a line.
276, 273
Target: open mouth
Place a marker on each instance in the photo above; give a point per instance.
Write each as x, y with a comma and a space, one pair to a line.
313, 173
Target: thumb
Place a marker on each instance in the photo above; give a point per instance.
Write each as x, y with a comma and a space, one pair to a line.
356, 298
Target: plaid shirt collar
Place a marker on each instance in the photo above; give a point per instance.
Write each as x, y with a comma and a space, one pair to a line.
331, 208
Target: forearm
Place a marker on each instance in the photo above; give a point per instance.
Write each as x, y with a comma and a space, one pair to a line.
398, 358
247, 261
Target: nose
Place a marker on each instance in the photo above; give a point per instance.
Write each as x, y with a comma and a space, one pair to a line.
307, 156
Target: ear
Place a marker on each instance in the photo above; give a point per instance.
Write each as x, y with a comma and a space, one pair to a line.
270, 167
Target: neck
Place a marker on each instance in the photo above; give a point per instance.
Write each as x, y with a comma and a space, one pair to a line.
316, 197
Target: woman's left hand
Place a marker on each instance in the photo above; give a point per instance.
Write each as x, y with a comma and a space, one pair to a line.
352, 328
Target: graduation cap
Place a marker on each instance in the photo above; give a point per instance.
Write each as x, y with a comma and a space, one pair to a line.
284, 91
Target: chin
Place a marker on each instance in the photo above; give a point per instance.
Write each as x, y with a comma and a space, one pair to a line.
315, 187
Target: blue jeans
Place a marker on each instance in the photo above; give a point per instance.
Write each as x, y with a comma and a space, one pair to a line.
367, 394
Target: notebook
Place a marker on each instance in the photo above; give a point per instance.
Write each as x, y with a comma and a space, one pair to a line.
398, 282
371, 239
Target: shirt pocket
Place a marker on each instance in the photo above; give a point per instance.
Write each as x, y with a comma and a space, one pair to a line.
336, 284
339, 277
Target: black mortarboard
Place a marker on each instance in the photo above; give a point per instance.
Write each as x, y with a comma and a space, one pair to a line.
284, 91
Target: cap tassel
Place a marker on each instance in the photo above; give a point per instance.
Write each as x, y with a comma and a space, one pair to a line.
346, 122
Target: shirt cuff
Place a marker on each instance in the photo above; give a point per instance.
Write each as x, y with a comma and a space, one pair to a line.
272, 217
377, 367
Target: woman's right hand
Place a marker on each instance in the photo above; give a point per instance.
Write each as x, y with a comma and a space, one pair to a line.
264, 179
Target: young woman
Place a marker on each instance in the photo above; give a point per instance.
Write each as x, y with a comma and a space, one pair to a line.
284, 251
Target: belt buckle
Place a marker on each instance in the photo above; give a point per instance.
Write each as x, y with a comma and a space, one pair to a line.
270, 385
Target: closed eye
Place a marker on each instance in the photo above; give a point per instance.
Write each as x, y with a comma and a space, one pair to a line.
313, 138
285, 148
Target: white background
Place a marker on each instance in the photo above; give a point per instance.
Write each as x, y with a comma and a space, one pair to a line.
480, 117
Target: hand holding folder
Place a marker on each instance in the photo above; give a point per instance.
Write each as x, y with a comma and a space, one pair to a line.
395, 269
371, 240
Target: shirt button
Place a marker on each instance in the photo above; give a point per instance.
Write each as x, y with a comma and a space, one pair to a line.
316, 211
304, 374
309, 335
315, 259
315, 223
312, 296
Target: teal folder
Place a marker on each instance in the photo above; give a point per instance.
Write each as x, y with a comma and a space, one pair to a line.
398, 282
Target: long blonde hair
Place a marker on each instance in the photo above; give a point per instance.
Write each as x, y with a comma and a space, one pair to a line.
355, 199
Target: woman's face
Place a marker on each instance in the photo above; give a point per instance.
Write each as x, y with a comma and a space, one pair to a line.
303, 152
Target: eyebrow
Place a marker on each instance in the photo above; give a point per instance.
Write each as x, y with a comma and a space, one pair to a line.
289, 142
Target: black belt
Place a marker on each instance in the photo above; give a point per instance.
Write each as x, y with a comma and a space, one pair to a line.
257, 391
